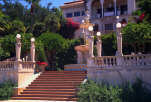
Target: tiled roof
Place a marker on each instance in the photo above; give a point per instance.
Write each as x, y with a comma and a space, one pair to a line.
73, 3
76, 1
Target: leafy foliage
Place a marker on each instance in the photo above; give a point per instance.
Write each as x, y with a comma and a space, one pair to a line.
68, 28
136, 35
145, 6
52, 41
109, 44
38, 29
93, 92
68, 55
6, 90
8, 45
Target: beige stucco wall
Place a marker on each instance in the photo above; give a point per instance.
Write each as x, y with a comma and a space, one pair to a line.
8, 75
72, 10
120, 75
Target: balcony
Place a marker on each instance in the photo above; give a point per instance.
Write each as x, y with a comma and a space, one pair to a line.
109, 14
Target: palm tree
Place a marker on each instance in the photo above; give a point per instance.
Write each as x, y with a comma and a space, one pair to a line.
33, 3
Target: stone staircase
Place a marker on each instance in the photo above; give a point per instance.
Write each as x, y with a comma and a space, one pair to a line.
54, 86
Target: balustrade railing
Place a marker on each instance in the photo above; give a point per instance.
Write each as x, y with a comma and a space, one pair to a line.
106, 61
137, 60
10, 65
7, 65
28, 65
126, 60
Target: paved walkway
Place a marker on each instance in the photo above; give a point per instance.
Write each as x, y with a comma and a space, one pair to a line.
33, 101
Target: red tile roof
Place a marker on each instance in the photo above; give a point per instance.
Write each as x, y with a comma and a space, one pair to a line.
73, 3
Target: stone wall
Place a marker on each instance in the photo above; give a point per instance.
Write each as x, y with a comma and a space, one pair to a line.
8, 75
119, 75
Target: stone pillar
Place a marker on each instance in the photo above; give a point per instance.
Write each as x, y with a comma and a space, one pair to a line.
32, 49
91, 44
115, 9
79, 57
99, 48
131, 6
18, 47
102, 5
119, 44
89, 11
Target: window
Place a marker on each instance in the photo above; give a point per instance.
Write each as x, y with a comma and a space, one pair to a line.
68, 15
76, 14
83, 13
109, 26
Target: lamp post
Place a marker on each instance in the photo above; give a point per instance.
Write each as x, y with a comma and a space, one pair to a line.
90, 28
99, 44
91, 41
32, 49
83, 31
119, 39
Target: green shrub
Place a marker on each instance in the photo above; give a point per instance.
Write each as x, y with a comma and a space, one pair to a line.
93, 92
68, 55
6, 90
109, 44
136, 37
136, 92
8, 44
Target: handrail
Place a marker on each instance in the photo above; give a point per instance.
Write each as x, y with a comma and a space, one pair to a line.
126, 60
7, 65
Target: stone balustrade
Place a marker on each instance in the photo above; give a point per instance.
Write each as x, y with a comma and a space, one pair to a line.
105, 61
126, 60
28, 65
7, 65
137, 60
10, 65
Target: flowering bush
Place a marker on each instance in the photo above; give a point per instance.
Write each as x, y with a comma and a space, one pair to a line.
42, 63
68, 28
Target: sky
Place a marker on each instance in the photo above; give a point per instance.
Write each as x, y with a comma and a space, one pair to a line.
55, 3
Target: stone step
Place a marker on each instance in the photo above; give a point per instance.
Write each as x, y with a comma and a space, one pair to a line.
51, 90
64, 84
61, 80
47, 92
54, 86
57, 82
58, 77
46, 98
54, 81
51, 87
46, 95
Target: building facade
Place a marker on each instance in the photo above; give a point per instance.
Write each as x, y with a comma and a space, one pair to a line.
102, 13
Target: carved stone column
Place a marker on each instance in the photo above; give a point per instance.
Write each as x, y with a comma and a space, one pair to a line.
18, 47
102, 5
79, 57
91, 44
32, 49
131, 6
115, 9
99, 48
119, 44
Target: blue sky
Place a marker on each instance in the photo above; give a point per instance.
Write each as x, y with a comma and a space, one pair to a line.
55, 3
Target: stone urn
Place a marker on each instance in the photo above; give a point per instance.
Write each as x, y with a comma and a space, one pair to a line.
82, 53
